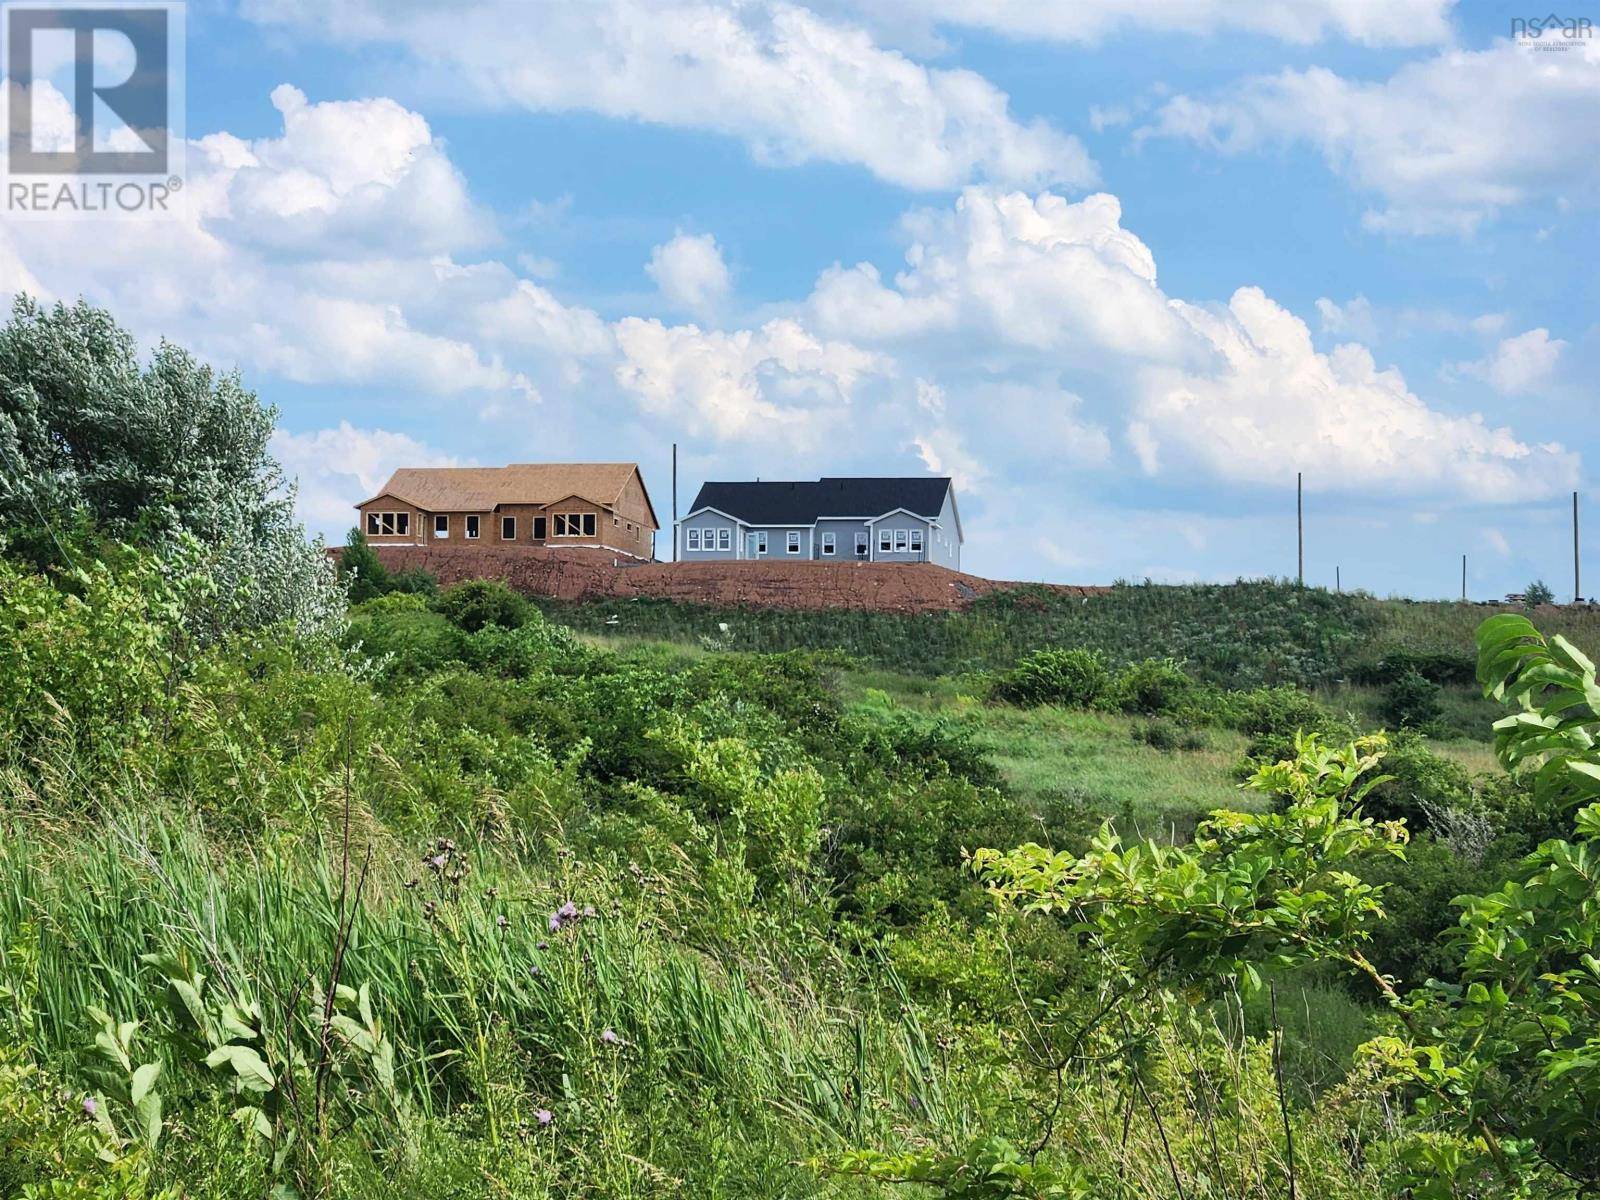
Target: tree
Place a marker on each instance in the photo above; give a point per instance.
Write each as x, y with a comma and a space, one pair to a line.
1538, 592
171, 455
359, 566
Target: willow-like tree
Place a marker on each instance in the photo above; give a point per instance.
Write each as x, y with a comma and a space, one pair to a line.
168, 454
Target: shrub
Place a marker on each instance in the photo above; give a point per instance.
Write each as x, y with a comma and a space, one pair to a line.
1153, 687
1412, 702
1422, 782
1074, 678
1440, 666
1276, 712
1538, 592
479, 602
361, 569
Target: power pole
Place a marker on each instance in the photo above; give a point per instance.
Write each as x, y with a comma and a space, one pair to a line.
1463, 578
674, 501
1338, 583
1300, 524
1577, 578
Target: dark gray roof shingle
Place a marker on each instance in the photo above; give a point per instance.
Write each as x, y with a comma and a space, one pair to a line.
801, 502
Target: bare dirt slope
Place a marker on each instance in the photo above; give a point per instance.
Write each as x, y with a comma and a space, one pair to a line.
594, 575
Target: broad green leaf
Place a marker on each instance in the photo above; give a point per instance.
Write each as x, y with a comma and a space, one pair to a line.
143, 1080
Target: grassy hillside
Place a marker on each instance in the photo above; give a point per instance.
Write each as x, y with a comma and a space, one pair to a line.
464, 904
1237, 635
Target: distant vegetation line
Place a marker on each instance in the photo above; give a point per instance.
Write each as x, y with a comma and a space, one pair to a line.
1241, 634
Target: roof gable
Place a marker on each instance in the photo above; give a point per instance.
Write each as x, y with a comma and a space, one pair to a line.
482, 489
802, 502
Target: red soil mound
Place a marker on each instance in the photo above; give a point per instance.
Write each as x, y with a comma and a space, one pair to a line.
595, 575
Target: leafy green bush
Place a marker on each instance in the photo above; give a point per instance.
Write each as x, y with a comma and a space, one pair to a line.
1153, 687
1277, 712
1074, 678
478, 602
1411, 701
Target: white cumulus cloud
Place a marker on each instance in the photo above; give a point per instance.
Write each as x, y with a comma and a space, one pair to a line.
1445, 142
1519, 364
795, 86
1273, 405
1371, 22
690, 272
339, 467
779, 382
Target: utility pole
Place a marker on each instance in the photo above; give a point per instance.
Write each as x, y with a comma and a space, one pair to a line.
1463, 578
1300, 524
674, 501
1577, 578
1338, 583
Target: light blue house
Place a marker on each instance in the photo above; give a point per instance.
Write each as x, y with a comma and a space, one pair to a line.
905, 519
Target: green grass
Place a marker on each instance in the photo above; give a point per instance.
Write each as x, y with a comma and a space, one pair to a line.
1092, 759
1094, 755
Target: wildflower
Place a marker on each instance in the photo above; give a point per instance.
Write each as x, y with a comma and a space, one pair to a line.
609, 1037
588, 911
555, 922
501, 921
545, 1118
436, 863
542, 945
534, 970
90, 1107
568, 911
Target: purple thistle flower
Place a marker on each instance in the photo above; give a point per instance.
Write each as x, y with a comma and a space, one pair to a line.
545, 1118
436, 863
555, 922
609, 1037
501, 921
568, 911
89, 1106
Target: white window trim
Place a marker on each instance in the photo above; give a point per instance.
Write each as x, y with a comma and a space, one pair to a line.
900, 541
761, 541
692, 541
885, 541
471, 526
793, 544
508, 521
915, 541
438, 520
829, 543
863, 544
724, 539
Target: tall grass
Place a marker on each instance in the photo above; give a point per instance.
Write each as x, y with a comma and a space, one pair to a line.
511, 1018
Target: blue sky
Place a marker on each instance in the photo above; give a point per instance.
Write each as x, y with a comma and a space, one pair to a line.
1122, 266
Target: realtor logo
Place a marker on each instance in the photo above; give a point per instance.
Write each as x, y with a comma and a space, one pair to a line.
1553, 32
94, 107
